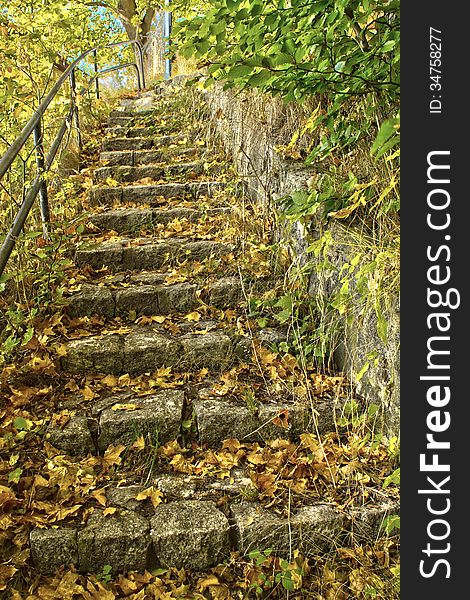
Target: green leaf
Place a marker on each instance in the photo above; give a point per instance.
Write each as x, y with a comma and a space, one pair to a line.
389, 45
392, 479
386, 138
382, 327
391, 523
27, 336
362, 372
14, 476
260, 79
239, 71
21, 424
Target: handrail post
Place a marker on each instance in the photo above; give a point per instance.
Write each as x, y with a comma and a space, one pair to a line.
166, 35
35, 127
43, 197
75, 117
97, 83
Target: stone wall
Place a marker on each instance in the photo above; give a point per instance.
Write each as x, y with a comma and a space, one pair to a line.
251, 126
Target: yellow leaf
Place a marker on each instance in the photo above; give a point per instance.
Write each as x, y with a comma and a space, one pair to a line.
6, 495
139, 444
159, 318
109, 511
175, 277
193, 316
112, 455
88, 393
162, 372
110, 381
176, 225
151, 493
310, 441
204, 583
61, 349
6, 573
100, 496
124, 407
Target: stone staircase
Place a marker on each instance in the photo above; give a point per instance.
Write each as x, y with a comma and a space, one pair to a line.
196, 521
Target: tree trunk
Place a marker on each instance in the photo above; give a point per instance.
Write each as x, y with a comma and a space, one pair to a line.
127, 10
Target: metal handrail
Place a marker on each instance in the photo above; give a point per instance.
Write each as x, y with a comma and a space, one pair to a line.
34, 126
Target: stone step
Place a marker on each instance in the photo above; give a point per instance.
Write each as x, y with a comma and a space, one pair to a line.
122, 418
158, 416
130, 111
147, 253
151, 194
219, 419
129, 119
154, 172
112, 144
125, 220
133, 132
188, 530
146, 101
145, 350
135, 158
117, 144
159, 299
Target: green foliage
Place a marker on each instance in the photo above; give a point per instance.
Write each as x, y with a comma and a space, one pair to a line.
298, 48
106, 574
391, 524
341, 49
277, 572
393, 478
387, 137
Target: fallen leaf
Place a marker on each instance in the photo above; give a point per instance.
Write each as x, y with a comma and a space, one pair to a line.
112, 455
100, 496
6, 573
124, 407
139, 444
193, 316
151, 493
204, 583
110, 381
282, 419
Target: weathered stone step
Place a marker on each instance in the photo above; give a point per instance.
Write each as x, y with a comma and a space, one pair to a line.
147, 253
132, 219
140, 130
130, 111
195, 534
158, 416
220, 419
134, 158
152, 299
130, 174
122, 418
145, 101
133, 132
112, 144
129, 119
145, 350
153, 193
